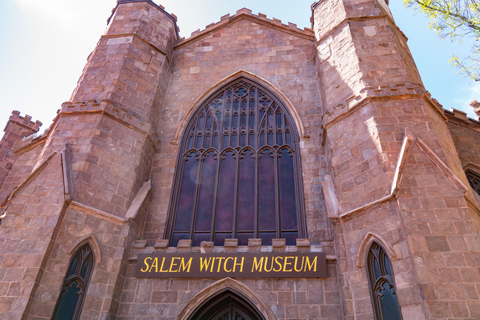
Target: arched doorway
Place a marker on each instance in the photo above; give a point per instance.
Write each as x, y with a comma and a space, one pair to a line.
226, 305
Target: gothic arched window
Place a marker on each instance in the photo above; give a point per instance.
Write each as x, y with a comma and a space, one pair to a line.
74, 287
238, 173
474, 180
382, 284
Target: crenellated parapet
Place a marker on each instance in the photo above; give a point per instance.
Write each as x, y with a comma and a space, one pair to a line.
126, 116
230, 246
17, 129
24, 122
245, 13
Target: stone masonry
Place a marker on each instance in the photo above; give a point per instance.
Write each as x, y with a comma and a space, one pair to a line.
381, 161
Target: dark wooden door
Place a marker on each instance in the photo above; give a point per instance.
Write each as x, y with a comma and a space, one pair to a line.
231, 312
227, 308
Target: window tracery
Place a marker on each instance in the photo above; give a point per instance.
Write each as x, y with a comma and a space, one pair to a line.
75, 283
238, 175
474, 180
382, 285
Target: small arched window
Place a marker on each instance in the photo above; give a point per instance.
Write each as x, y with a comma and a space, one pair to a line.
382, 285
238, 172
474, 180
74, 287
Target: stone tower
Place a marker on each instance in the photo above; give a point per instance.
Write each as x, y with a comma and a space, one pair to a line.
394, 174
89, 176
375, 169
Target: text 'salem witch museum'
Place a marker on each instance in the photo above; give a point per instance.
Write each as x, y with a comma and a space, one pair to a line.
251, 171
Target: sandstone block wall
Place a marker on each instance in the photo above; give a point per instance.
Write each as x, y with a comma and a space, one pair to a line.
374, 99
273, 55
364, 120
286, 298
466, 136
111, 121
26, 236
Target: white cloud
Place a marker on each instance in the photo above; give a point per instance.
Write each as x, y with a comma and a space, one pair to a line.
64, 11
465, 95
56, 10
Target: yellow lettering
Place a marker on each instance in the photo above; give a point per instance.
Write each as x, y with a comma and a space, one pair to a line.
172, 264
271, 265
189, 264
213, 263
313, 264
204, 264
295, 265
154, 264
219, 263
257, 266
235, 264
285, 263
278, 264
146, 264
225, 265
161, 266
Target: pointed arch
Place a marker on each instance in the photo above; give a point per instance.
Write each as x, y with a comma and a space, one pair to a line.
224, 286
381, 280
234, 76
367, 243
75, 284
223, 194
90, 239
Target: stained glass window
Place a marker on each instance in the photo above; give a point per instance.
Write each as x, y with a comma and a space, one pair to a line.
238, 173
382, 285
72, 294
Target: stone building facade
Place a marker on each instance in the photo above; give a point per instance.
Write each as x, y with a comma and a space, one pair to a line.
380, 169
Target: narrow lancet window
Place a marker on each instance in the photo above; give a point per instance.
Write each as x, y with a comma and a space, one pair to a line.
74, 287
382, 285
238, 173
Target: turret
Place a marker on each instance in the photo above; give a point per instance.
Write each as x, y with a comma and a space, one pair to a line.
394, 170
111, 120
17, 129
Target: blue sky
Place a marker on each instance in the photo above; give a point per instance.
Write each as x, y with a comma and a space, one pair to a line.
44, 45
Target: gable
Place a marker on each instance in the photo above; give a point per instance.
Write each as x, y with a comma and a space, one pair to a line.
245, 15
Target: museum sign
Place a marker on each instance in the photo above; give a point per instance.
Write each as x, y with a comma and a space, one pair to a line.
238, 265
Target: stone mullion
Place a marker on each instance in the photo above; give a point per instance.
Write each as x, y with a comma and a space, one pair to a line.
215, 198
235, 200
257, 159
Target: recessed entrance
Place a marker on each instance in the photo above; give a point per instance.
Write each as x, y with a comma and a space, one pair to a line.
226, 306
